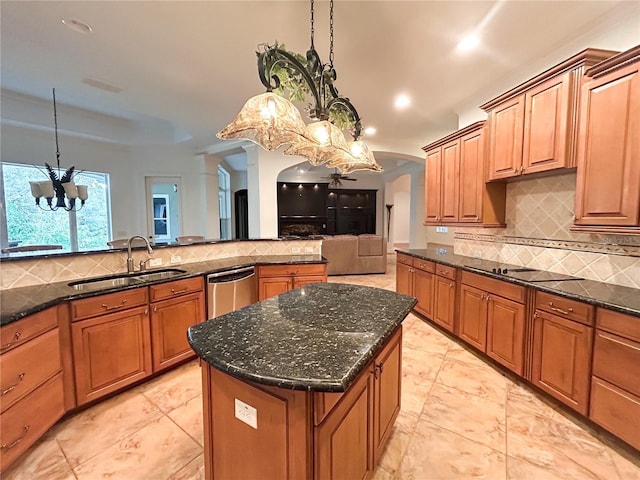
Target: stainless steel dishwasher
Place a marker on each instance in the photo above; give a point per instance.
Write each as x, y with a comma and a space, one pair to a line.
231, 290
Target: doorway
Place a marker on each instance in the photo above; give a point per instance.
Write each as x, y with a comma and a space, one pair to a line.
163, 198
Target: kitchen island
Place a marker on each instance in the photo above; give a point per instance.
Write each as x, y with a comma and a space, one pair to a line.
303, 385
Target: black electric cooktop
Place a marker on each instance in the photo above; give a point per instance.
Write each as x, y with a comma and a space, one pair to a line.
526, 274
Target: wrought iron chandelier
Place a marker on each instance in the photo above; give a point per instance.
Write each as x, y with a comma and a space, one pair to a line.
62, 187
271, 120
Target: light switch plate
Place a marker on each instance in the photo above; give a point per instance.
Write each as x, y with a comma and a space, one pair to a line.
308, 249
296, 249
246, 413
155, 262
176, 258
442, 229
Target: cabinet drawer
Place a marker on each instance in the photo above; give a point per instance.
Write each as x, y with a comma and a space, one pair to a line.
564, 307
446, 272
25, 422
112, 302
297, 269
24, 368
619, 323
617, 360
23, 330
495, 287
425, 265
405, 259
616, 410
173, 289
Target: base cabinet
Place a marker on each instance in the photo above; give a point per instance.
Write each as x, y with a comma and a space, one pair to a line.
444, 297
276, 279
505, 332
415, 277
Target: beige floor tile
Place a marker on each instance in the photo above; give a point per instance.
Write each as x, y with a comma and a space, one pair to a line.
381, 474
462, 354
438, 454
521, 398
562, 469
480, 380
188, 416
421, 364
555, 443
175, 387
97, 428
628, 466
398, 442
473, 417
157, 451
44, 461
193, 471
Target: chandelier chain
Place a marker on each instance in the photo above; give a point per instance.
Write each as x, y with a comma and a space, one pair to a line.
55, 124
312, 28
330, 33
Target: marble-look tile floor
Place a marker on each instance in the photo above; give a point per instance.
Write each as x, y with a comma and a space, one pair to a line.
460, 419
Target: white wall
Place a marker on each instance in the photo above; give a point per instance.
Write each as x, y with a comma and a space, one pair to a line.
401, 221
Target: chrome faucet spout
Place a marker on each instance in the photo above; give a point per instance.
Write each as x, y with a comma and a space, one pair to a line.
130, 267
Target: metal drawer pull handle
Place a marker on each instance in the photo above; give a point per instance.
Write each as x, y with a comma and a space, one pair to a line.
178, 292
13, 387
9, 446
559, 310
115, 307
16, 337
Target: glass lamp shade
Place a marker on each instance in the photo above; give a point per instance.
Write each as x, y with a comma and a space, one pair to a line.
321, 143
35, 189
268, 120
70, 189
83, 192
46, 189
357, 156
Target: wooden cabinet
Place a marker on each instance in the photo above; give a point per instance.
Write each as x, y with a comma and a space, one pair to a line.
532, 127
414, 277
31, 382
455, 189
276, 279
170, 320
562, 344
444, 297
111, 351
615, 390
492, 319
608, 182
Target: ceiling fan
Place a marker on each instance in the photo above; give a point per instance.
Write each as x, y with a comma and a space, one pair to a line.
336, 179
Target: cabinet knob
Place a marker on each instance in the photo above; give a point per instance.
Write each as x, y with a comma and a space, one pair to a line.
16, 337
13, 387
522, 169
451, 285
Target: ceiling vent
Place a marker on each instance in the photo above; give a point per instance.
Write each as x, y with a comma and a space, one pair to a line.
102, 85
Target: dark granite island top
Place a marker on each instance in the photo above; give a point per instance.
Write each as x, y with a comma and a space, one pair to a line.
315, 338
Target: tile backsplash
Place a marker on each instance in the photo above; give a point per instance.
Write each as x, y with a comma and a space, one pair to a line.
34, 271
539, 214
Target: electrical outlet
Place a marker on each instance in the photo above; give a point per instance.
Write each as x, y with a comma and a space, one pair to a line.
246, 413
477, 253
176, 258
155, 262
308, 249
442, 229
296, 249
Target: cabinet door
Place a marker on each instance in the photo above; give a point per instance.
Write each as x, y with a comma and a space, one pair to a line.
506, 125
423, 291
301, 281
608, 183
450, 182
562, 359
170, 320
505, 332
270, 287
444, 302
472, 179
473, 317
432, 185
545, 125
343, 441
110, 352
404, 279
387, 379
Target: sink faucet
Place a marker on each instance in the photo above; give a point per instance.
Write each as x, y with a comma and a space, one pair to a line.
130, 268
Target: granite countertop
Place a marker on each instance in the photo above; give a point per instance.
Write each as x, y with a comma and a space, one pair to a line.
17, 303
614, 297
318, 337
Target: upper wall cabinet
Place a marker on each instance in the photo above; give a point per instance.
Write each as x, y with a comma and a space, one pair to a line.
608, 181
533, 127
455, 189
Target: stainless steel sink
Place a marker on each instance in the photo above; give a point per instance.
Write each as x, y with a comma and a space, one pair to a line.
125, 280
153, 275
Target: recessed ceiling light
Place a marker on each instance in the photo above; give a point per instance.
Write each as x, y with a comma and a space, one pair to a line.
468, 43
370, 130
402, 101
76, 25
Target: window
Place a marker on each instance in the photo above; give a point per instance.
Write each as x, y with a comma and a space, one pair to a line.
26, 224
224, 197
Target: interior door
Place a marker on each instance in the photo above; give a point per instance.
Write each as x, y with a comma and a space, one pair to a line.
164, 208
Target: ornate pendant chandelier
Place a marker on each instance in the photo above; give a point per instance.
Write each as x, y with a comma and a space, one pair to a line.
272, 121
61, 186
